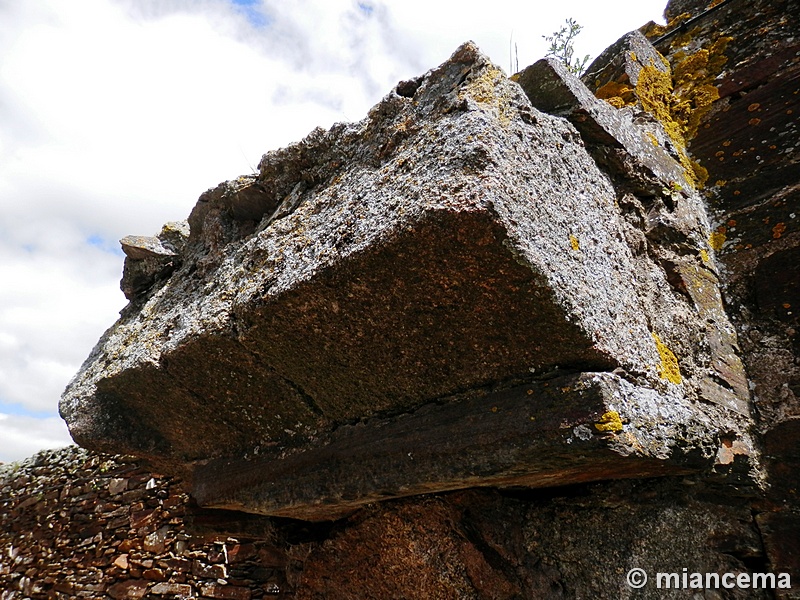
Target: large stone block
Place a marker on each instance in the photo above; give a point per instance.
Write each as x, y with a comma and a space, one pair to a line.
456, 243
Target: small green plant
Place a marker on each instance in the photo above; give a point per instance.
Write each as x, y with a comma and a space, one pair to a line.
562, 46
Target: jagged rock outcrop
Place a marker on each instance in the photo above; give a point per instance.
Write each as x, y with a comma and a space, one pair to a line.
151, 259
494, 283
736, 71
400, 273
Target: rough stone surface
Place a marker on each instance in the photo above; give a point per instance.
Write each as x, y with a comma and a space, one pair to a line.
611, 134
64, 535
378, 289
69, 528
458, 240
150, 260
566, 430
746, 139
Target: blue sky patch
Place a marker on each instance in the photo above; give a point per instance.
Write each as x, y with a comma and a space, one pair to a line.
252, 10
98, 241
17, 410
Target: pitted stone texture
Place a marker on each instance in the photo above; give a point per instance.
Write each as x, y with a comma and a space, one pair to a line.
439, 255
662, 218
569, 429
454, 241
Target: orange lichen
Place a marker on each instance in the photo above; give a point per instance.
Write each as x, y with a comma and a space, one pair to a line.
700, 173
778, 230
693, 83
654, 91
615, 101
485, 89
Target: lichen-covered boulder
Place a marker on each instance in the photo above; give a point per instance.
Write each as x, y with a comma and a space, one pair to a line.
399, 273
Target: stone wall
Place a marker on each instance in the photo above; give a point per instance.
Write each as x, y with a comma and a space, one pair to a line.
75, 524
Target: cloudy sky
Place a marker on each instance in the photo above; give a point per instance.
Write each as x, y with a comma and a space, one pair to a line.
115, 115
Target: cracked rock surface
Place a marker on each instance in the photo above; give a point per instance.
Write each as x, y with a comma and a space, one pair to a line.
456, 243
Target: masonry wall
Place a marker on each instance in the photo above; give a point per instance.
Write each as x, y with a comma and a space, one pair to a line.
75, 524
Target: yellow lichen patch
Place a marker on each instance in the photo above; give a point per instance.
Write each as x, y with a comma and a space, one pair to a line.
683, 39
717, 239
653, 139
720, 182
700, 173
573, 241
617, 94
652, 29
692, 66
484, 90
609, 422
704, 256
703, 96
654, 90
668, 368
615, 101
682, 97
693, 83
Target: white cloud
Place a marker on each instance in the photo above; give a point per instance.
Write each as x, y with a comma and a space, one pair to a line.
23, 436
116, 114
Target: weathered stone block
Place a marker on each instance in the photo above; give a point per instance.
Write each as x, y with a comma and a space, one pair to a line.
215, 590
633, 150
566, 430
131, 588
151, 259
454, 243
